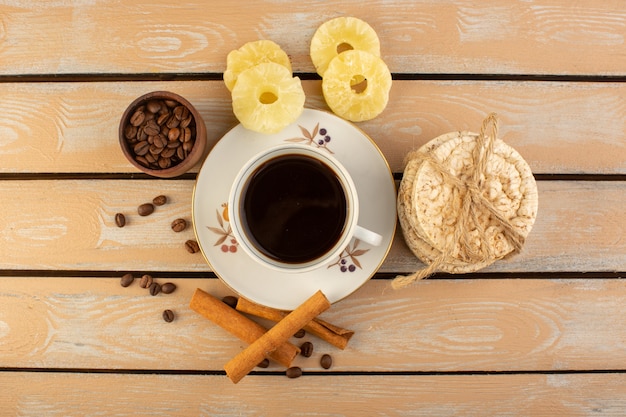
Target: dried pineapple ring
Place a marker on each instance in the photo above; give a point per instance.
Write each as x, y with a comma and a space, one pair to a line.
251, 54
266, 98
340, 34
347, 70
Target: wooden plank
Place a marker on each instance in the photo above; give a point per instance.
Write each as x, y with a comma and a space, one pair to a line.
69, 225
505, 36
468, 325
557, 127
27, 394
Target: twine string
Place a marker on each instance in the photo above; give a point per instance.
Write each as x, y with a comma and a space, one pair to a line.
474, 204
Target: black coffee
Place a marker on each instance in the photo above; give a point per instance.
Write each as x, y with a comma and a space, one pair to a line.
294, 208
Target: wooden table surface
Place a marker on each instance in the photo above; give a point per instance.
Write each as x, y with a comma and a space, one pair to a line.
540, 334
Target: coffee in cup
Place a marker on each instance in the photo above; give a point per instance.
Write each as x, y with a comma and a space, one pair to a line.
294, 208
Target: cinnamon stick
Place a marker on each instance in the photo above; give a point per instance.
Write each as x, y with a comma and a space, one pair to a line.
239, 325
332, 334
247, 359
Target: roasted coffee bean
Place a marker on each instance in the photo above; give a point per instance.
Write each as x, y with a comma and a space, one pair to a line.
165, 163
141, 135
145, 209
186, 135
230, 300
192, 246
143, 161
126, 280
168, 316
168, 288
155, 150
306, 349
155, 288
146, 281
137, 118
162, 118
149, 116
168, 152
141, 148
152, 128
172, 122
186, 122
294, 372
160, 141
171, 103
130, 132
150, 158
326, 361
120, 220
159, 200
300, 334
264, 363
153, 106
179, 225
173, 134
181, 112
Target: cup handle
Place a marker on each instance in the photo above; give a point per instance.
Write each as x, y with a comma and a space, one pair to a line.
367, 236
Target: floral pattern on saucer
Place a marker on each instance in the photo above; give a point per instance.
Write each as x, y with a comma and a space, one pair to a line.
316, 137
349, 258
226, 239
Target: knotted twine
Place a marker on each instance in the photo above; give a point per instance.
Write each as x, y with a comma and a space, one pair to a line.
472, 206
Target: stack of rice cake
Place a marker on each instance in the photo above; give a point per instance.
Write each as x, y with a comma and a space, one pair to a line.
429, 202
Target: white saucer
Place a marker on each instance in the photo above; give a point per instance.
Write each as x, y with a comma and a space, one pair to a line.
377, 197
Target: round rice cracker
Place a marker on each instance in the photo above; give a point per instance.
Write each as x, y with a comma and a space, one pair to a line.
509, 185
412, 236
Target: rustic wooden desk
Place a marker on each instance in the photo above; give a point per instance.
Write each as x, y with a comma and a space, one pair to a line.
540, 334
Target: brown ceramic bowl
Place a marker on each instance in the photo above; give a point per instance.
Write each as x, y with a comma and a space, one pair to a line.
154, 127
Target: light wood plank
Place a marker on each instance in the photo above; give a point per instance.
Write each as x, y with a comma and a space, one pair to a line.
69, 395
434, 326
505, 36
69, 225
557, 127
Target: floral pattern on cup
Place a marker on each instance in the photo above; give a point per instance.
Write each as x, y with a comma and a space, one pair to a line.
320, 138
349, 259
226, 241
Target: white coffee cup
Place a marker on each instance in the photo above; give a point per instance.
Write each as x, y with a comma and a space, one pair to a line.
295, 208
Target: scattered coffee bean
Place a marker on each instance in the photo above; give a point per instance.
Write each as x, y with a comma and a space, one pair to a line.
326, 361
306, 349
155, 288
168, 288
120, 220
145, 209
230, 300
159, 200
294, 372
168, 316
299, 334
146, 281
149, 128
264, 363
179, 225
126, 280
192, 246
